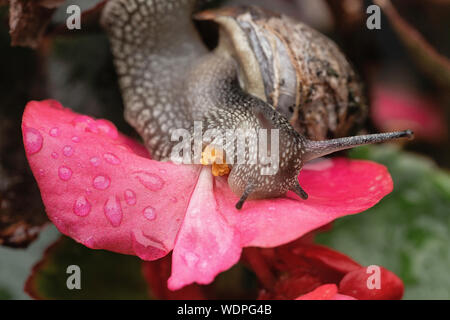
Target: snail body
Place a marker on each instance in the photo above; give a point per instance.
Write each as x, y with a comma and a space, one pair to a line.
254, 79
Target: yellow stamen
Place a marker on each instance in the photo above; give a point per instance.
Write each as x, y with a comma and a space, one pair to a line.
214, 157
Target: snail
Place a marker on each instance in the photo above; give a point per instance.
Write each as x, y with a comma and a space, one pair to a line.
268, 71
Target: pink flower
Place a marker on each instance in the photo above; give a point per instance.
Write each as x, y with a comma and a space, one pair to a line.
399, 108
103, 190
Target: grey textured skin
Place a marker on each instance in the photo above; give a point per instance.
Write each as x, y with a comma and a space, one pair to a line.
169, 79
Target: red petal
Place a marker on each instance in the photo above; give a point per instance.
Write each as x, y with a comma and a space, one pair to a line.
300, 267
362, 285
325, 292
97, 186
336, 188
156, 274
327, 258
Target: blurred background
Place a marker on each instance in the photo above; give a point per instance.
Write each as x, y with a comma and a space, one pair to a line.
405, 66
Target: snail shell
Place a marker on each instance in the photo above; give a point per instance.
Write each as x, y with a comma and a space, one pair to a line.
294, 68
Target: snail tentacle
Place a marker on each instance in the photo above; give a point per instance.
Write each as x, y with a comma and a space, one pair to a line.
317, 149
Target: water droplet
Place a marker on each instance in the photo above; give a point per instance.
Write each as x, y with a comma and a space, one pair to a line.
54, 132
123, 147
33, 140
68, 151
151, 181
150, 213
82, 207
95, 161
113, 211
107, 128
64, 173
272, 208
85, 123
130, 197
173, 200
41, 172
111, 158
55, 155
101, 182
163, 171
76, 139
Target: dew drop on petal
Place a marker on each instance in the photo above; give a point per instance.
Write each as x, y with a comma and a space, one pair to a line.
130, 197
76, 139
33, 140
151, 181
55, 155
95, 161
64, 173
113, 211
81, 207
163, 171
41, 172
54, 132
123, 147
173, 200
107, 128
111, 158
150, 213
68, 151
85, 123
101, 182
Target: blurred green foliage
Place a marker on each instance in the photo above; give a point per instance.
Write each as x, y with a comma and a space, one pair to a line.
104, 274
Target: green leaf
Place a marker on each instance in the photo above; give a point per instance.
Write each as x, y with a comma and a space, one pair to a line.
4, 294
104, 275
408, 231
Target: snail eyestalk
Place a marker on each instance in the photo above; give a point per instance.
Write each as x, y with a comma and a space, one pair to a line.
248, 190
317, 149
300, 192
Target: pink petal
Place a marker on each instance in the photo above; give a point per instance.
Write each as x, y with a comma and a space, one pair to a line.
336, 188
399, 109
206, 244
325, 292
99, 187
